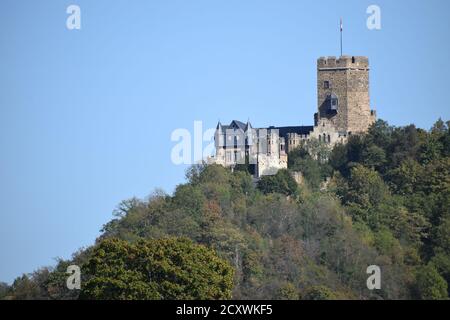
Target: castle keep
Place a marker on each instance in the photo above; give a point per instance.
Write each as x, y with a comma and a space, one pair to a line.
343, 109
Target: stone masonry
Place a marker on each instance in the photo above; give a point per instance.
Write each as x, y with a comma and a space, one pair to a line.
343, 109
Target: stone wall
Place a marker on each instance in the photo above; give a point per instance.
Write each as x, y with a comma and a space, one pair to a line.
348, 79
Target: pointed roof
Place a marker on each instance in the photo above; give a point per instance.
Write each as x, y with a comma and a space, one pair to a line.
248, 125
237, 124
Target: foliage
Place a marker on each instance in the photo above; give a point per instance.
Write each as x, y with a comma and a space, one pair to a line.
305, 161
156, 269
282, 182
319, 293
430, 284
386, 202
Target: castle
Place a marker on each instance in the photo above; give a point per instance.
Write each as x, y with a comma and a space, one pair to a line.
343, 109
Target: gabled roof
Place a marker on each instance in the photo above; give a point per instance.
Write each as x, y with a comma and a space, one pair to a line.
235, 124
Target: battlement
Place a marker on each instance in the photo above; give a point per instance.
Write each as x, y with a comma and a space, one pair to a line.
345, 62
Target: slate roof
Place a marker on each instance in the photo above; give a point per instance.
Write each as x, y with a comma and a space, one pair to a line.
235, 124
283, 131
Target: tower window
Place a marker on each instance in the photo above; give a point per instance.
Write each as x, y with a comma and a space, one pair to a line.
333, 102
326, 84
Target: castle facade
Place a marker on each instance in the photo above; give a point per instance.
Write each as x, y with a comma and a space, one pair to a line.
343, 109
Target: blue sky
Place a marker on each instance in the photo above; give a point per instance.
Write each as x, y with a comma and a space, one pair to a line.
86, 115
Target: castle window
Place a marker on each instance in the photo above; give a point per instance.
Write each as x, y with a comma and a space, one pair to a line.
329, 139
353, 59
326, 84
333, 102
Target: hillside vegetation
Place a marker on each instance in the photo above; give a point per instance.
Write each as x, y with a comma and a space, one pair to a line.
382, 199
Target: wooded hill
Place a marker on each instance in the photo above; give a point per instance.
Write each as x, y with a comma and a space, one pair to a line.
381, 199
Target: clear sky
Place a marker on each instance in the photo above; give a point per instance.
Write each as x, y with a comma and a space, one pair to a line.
86, 115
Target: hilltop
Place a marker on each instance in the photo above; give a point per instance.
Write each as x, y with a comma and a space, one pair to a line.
380, 199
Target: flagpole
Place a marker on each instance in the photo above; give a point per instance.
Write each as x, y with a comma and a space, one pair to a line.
341, 36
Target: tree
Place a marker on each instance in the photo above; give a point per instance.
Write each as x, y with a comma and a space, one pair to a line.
319, 293
443, 235
380, 134
338, 159
190, 198
282, 183
287, 292
25, 288
311, 162
430, 284
366, 188
4, 290
387, 244
404, 179
442, 263
171, 268
373, 157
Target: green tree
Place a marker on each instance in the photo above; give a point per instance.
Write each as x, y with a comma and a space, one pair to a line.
319, 293
156, 269
380, 134
430, 284
24, 288
442, 263
388, 245
312, 163
288, 292
365, 188
4, 290
282, 183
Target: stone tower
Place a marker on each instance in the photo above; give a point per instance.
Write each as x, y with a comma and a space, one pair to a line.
343, 94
